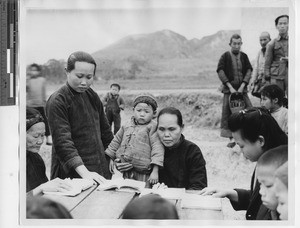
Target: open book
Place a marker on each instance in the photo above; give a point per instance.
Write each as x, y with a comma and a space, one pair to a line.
201, 202
167, 193
78, 185
120, 184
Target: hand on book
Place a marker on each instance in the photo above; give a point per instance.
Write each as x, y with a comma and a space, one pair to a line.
220, 193
55, 185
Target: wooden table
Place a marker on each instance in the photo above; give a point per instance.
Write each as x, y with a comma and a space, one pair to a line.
94, 204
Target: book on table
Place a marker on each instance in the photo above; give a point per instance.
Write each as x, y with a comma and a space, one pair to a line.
194, 201
77, 186
167, 193
121, 184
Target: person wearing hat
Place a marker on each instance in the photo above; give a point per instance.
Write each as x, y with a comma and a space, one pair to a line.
136, 146
36, 179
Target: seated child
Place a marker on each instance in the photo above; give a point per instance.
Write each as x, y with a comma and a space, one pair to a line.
272, 97
150, 206
281, 190
113, 104
38, 207
137, 143
266, 167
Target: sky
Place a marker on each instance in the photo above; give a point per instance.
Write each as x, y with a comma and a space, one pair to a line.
55, 29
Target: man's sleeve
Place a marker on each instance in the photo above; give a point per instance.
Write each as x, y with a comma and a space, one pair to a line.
268, 59
221, 70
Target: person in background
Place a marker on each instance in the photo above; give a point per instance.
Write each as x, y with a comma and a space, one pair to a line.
36, 94
150, 206
258, 79
266, 167
234, 71
137, 143
42, 208
281, 190
255, 131
113, 104
36, 179
184, 164
79, 127
277, 52
272, 98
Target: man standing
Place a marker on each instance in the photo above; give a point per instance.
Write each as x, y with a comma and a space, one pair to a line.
276, 63
258, 78
234, 71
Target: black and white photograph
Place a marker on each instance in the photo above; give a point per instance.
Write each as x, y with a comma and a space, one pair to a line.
148, 112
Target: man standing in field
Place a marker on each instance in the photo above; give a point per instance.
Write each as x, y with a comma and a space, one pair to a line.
276, 63
234, 71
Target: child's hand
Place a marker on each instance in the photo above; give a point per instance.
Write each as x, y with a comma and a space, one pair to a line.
111, 166
153, 179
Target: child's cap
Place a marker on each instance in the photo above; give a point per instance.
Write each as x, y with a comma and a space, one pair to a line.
147, 99
150, 206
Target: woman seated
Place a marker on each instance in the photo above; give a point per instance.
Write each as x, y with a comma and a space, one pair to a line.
184, 165
36, 179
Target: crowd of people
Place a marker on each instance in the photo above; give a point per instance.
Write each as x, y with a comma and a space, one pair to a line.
151, 147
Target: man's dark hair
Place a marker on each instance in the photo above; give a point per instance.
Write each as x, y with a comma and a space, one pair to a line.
235, 36
116, 85
281, 16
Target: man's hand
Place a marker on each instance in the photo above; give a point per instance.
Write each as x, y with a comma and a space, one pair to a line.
123, 166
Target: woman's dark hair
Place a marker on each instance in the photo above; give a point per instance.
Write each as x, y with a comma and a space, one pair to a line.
273, 91
38, 207
150, 206
172, 111
79, 56
281, 16
255, 122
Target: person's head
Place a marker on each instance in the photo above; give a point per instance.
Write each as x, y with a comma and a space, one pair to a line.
255, 131
281, 190
150, 206
266, 167
81, 68
282, 24
115, 88
34, 70
169, 126
235, 43
144, 108
38, 207
264, 39
272, 97
35, 130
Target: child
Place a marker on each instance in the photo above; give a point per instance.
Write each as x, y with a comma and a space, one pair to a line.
281, 190
258, 79
255, 131
113, 104
36, 94
266, 167
272, 99
150, 206
137, 143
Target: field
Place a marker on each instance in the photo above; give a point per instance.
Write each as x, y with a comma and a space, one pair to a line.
201, 109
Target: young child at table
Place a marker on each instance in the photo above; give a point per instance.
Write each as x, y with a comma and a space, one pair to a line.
113, 104
255, 131
150, 206
137, 143
266, 167
38, 207
272, 99
281, 190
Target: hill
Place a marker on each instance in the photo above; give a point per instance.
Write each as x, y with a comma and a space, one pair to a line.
163, 54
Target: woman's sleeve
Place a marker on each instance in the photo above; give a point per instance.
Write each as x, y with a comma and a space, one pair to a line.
106, 133
243, 200
115, 144
61, 133
197, 170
